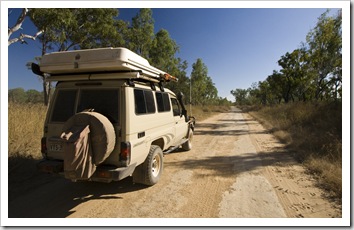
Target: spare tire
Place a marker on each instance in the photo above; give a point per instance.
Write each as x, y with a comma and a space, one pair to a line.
102, 134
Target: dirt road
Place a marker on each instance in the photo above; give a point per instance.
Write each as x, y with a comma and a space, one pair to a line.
235, 169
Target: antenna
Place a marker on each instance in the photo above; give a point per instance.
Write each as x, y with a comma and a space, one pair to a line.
190, 96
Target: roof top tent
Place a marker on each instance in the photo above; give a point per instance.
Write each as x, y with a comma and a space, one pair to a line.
61, 66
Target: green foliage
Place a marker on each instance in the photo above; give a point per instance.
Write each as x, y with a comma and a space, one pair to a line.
203, 89
141, 33
162, 52
69, 28
325, 49
33, 96
240, 96
20, 96
17, 95
183, 84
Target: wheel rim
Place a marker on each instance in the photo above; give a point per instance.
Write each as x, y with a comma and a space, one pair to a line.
156, 165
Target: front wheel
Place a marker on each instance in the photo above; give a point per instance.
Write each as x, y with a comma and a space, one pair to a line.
186, 146
150, 171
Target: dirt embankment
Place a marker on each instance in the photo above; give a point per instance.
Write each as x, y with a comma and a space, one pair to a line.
236, 169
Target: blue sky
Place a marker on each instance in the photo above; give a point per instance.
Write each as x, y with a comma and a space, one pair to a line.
239, 46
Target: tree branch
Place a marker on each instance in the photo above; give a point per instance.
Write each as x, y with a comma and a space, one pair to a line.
23, 36
19, 22
17, 26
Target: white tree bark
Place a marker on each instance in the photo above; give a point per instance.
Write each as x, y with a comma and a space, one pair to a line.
17, 26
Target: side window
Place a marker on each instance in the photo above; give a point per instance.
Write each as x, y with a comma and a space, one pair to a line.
144, 101
163, 102
150, 103
175, 107
140, 107
64, 105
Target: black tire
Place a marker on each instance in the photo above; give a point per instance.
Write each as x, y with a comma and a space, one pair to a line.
186, 146
150, 171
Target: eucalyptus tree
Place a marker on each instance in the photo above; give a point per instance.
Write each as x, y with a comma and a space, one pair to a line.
296, 78
325, 51
141, 34
162, 51
203, 89
276, 85
241, 96
73, 28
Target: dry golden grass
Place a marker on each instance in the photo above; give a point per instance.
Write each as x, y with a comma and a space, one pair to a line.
313, 131
25, 129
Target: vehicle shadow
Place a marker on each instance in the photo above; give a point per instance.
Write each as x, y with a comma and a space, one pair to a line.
228, 127
40, 195
226, 165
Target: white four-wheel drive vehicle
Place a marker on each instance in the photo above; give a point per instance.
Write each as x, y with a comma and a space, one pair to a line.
110, 116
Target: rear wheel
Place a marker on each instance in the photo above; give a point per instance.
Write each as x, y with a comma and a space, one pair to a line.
150, 171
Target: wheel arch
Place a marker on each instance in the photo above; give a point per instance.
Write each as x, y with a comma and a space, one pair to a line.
159, 142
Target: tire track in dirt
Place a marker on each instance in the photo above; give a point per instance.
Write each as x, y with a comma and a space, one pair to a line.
251, 194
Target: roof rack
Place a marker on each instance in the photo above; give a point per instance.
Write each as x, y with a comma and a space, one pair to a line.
103, 63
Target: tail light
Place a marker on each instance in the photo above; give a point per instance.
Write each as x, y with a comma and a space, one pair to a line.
125, 153
44, 146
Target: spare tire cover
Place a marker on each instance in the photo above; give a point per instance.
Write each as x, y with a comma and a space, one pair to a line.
102, 135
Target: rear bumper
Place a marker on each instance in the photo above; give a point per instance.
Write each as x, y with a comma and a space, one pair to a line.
103, 173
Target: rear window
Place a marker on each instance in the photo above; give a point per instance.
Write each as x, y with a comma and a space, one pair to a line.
103, 101
64, 105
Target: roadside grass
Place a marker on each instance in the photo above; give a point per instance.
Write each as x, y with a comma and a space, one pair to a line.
313, 132
25, 129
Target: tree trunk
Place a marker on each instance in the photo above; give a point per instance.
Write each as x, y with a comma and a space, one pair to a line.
47, 87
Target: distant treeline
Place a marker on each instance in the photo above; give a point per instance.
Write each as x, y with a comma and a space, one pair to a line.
19, 95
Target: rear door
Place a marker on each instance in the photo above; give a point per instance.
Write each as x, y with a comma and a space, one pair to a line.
70, 99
